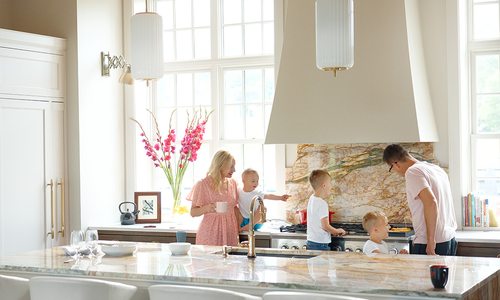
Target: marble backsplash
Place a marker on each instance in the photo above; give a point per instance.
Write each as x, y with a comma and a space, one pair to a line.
360, 179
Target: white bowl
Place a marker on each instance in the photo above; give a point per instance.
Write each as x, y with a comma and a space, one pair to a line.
120, 249
179, 248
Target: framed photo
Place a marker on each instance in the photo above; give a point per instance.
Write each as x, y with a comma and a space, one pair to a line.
149, 206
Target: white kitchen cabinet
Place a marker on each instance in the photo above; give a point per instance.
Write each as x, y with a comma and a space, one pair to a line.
33, 210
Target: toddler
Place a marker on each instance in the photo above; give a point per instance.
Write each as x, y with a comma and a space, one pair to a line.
377, 226
319, 230
250, 180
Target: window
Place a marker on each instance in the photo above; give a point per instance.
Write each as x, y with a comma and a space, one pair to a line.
219, 55
484, 55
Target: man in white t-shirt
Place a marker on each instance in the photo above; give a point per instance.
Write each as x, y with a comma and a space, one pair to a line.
430, 201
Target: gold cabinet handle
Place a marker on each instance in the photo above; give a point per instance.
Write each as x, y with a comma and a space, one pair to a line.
61, 184
52, 209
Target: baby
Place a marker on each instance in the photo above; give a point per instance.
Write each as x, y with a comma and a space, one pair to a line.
250, 180
377, 226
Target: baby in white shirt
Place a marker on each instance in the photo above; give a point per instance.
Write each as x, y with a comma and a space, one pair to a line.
377, 226
250, 180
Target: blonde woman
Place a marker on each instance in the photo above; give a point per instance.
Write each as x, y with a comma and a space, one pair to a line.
216, 228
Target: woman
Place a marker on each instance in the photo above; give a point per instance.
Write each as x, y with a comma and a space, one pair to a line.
218, 186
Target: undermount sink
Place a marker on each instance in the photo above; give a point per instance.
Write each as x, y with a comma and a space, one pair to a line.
271, 252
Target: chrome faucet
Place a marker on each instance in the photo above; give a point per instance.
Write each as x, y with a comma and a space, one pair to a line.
251, 231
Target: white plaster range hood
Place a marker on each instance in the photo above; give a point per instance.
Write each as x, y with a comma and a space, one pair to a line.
383, 98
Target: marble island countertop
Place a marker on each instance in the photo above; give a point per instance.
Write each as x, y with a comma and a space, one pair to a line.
377, 277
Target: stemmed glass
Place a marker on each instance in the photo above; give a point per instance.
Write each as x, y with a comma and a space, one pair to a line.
91, 238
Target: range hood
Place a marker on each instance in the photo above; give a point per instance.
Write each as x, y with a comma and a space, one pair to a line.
384, 98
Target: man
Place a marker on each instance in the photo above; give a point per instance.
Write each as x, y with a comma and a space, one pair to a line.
429, 197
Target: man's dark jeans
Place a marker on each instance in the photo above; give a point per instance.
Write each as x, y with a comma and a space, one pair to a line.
445, 248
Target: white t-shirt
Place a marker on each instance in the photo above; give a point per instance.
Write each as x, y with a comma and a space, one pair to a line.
371, 245
425, 175
317, 208
245, 199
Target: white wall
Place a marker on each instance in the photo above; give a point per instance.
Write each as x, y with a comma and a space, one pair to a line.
101, 108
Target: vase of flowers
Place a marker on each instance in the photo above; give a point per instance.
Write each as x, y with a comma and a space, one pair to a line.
174, 160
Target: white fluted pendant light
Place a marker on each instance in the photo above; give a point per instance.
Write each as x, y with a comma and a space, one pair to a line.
334, 35
147, 46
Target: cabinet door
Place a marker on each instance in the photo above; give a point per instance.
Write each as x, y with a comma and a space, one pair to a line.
55, 171
31, 166
29, 73
22, 176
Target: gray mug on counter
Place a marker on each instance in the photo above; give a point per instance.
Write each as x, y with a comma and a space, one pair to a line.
181, 236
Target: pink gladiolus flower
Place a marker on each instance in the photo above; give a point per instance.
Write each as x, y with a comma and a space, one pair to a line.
163, 154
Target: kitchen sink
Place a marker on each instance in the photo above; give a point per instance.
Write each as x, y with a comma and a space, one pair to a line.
271, 252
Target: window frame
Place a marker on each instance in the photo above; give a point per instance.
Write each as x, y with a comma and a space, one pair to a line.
216, 66
474, 48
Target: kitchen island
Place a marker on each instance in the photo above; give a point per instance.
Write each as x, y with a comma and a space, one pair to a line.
376, 277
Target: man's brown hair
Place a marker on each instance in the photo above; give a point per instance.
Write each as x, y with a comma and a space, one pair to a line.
317, 176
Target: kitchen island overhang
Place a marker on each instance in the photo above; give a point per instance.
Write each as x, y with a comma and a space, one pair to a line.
403, 276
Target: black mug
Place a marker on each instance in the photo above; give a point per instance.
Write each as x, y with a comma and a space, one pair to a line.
439, 275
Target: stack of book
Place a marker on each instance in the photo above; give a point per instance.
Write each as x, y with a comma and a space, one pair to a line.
475, 211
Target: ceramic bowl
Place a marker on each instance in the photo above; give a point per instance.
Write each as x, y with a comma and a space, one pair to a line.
179, 248
121, 249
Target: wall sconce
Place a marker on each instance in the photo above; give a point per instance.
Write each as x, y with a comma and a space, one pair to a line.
147, 45
109, 62
334, 35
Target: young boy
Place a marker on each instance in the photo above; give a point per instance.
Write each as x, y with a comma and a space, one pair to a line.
377, 226
319, 230
250, 180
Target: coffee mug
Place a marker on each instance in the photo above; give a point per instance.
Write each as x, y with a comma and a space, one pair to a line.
221, 207
439, 275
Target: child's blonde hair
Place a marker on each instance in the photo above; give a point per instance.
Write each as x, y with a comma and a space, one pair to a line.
371, 218
317, 177
248, 172
219, 161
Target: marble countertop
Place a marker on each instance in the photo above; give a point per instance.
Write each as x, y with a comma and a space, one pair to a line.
403, 275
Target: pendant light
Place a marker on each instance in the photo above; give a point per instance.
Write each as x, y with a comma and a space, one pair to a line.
146, 45
334, 35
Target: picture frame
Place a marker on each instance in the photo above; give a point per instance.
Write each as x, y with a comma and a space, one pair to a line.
149, 206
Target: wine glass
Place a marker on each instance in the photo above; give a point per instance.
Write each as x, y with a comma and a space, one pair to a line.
91, 238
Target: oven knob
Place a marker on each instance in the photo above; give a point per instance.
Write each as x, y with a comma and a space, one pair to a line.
348, 250
337, 248
359, 250
295, 247
304, 247
284, 247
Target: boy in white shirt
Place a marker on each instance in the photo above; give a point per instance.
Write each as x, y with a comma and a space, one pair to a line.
377, 226
250, 180
319, 230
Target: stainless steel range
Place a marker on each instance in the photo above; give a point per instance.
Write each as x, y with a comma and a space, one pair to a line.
295, 237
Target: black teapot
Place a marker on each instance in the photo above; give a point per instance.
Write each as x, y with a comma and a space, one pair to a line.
128, 218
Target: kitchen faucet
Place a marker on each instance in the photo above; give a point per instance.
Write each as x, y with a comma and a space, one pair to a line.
251, 231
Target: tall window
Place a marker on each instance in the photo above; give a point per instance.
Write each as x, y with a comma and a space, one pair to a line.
484, 55
219, 56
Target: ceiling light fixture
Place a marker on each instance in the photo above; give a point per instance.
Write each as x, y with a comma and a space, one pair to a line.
334, 35
147, 45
